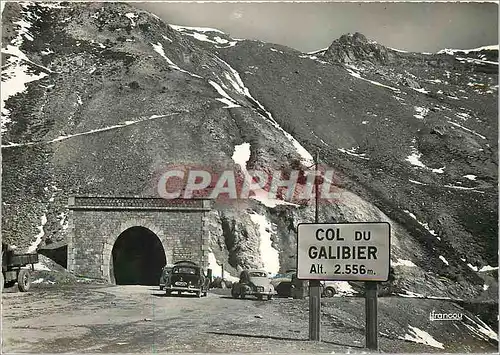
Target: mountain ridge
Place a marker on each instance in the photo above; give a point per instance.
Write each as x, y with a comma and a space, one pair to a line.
401, 135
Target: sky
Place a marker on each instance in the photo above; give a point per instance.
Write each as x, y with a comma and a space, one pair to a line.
308, 26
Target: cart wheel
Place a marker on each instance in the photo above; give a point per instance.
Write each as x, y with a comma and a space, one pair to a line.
23, 280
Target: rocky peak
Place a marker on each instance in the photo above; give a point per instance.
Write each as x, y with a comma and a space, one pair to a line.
350, 48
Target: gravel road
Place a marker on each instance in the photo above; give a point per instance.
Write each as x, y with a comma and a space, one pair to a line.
90, 318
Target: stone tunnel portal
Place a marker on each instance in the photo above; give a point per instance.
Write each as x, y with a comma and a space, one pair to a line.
138, 257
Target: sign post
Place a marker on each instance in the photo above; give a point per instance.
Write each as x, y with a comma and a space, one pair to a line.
314, 310
315, 285
344, 252
371, 332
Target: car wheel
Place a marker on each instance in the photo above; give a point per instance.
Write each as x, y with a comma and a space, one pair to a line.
329, 292
23, 280
168, 293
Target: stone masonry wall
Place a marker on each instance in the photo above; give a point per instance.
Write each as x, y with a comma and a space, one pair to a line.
93, 233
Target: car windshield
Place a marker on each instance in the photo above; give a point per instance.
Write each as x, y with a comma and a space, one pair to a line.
257, 274
184, 270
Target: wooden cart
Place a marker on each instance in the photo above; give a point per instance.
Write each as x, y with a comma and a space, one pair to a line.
13, 270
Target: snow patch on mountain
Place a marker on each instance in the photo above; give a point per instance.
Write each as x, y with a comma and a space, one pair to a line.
475, 61
240, 87
417, 335
15, 77
470, 177
352, 152
414, 159
493, 47
421, 90
131, 16
319, 51
410, 294
423, 224
198, 29
416, 182
443, 259
351, 70
226, 99
158, 48
403, 262
39, 236
467, 129
463, 188
216, 40
269, 255
421, 112
479, 328
472, 267
241, 155
16, 74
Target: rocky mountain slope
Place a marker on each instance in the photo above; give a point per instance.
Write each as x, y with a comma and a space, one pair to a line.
98, 98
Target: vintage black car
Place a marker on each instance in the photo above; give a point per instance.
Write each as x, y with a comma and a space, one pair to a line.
187, 276
255, 283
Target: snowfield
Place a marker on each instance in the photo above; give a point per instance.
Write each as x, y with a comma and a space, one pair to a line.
269, 255
217, 269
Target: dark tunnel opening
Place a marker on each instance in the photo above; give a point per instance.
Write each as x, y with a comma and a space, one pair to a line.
138, 257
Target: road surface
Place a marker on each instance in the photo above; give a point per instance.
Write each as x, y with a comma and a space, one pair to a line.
141, 319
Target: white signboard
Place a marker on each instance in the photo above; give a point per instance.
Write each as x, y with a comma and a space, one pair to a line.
344, 251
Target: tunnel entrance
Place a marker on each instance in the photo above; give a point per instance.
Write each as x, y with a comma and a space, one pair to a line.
138, 257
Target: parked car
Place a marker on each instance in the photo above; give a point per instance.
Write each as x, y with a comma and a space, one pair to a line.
255, 283
164, 274
187, 276
282, 283
328, 289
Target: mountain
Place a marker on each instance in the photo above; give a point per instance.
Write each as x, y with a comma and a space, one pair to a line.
98, 98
